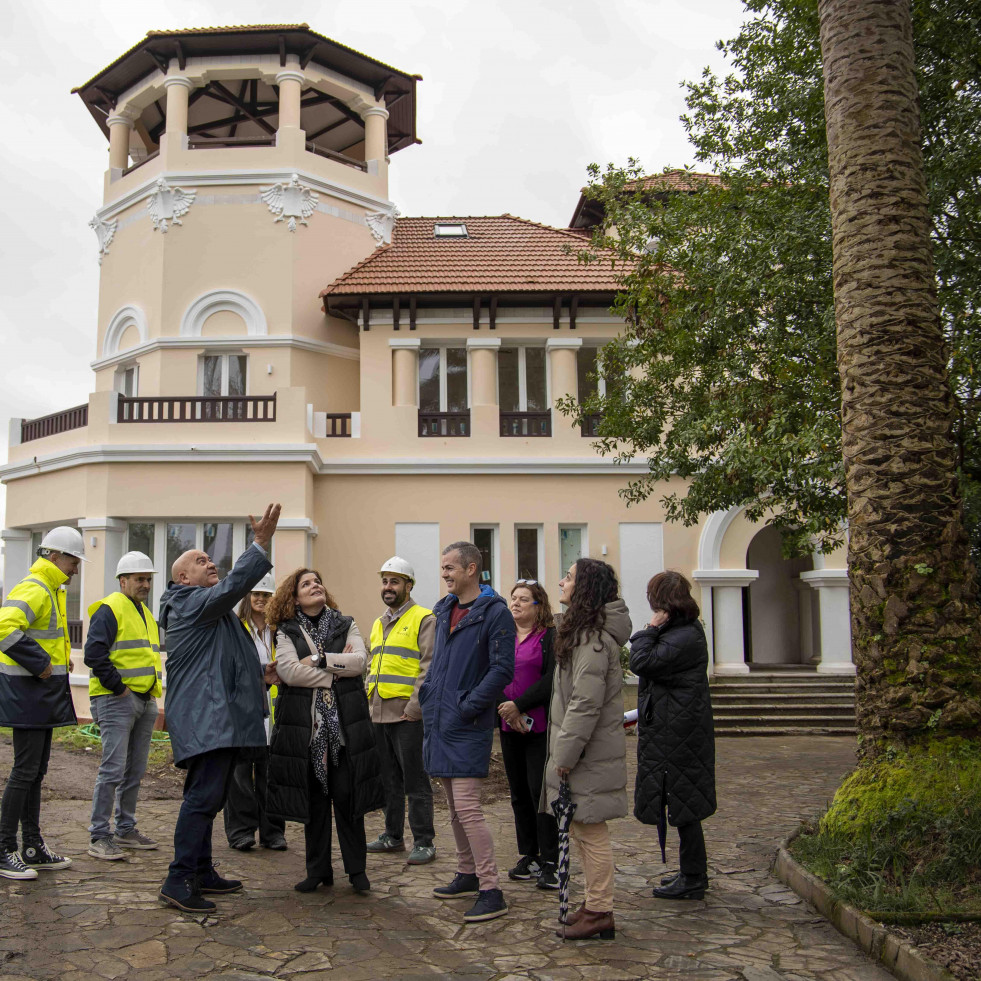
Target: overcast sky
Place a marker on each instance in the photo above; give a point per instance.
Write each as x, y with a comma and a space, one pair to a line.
518, 97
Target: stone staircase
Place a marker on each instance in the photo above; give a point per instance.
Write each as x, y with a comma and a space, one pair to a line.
777, 700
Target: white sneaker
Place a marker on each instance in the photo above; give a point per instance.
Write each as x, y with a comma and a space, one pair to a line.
13, 867
106, 849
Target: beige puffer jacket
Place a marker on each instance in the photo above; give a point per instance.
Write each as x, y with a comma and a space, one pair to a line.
585, 730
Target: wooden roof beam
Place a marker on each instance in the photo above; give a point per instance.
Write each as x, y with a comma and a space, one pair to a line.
476, 312
307, 55
412, 313
493, 312
556, 311
223, 95
282, 50
395, 312
181, 57
573, 310
365, 313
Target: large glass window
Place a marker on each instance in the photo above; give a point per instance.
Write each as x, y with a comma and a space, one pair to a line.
521, 379
527, 542
224, 374
142, 539
593, 377
180, 538
485, 538
218, 544
443, 379
572, 542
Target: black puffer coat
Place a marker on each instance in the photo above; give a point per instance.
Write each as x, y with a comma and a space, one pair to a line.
289, 750
676, 738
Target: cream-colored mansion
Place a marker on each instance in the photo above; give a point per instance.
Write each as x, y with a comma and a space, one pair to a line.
271, 329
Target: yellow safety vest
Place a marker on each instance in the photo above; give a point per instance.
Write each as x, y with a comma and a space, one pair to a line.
136, 649
396, 659
274, 689
35, 608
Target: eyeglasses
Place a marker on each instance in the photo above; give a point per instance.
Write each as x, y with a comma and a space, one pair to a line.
527, 582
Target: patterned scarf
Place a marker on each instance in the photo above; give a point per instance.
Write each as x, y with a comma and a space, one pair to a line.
328, 737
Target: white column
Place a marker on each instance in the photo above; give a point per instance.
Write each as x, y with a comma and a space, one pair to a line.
111, 534
178, 90
17, 558
120, 126
722, 592
833, 610
405, 370
375, 133
805, 616
483, 374
290, 81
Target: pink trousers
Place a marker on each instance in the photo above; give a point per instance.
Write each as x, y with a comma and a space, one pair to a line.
474, 843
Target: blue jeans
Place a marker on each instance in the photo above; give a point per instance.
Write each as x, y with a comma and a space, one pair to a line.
125, 724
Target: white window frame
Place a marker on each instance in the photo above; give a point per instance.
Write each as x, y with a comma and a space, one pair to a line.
600, 377
442, 348
223, 356
495, 530
584, 539
540, 532
523, 375
119, 382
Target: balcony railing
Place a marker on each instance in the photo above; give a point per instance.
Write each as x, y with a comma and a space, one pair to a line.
220, 142
140, 163
57, 422
444, 423
75, 632
198, 408
526, 423
338, 424
339, 157
590, 425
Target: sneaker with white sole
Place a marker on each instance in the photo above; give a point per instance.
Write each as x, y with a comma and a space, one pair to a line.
489, 906
527, 868
106, 849
13, 867
134, 839
41, 857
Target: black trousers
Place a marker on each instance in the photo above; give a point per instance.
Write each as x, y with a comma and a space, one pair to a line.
317, 831
21, 804
400, 748
245, 806
694, 861
524, 763
205, 789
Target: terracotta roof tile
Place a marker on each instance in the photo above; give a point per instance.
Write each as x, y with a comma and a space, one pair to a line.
500, 254
676, 180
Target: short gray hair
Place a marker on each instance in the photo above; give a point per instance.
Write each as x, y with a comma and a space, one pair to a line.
469, 554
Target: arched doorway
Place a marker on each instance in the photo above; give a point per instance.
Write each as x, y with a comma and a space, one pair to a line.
780, 622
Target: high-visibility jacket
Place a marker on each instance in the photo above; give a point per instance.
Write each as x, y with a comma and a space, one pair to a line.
34, 634
274, 689
135, 653
396, 659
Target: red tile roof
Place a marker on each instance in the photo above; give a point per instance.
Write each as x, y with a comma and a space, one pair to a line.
501, 253
676, 180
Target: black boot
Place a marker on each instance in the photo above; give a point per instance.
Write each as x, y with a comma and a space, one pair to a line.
683, 887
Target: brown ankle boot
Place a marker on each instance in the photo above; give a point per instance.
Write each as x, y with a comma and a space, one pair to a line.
575, 916
589, 924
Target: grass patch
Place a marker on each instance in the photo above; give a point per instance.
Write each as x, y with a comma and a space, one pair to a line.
903, 834
74, 739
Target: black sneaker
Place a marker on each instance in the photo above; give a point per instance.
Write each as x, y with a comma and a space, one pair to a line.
185, 897
489, 906
548, 878
527, 868
211, 881
463, 884
41, 857
13, 867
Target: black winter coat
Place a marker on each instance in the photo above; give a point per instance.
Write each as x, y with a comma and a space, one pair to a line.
675, 734
289, 750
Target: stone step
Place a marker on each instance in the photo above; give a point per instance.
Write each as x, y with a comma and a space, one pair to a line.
720, 700
788, 719
736, 731
782, 709
790, 691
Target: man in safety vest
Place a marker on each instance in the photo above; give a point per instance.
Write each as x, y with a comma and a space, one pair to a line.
35, 696
401, 648
122, 651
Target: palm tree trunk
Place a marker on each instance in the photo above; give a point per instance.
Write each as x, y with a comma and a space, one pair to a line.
914, 611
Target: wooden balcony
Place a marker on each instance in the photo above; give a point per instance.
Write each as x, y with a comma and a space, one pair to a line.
444, 424
338, 424
57, 422
526, 423
590, 425
198, 408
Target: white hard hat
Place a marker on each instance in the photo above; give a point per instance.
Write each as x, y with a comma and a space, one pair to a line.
133, 562
398, 566
66, 540
267, 584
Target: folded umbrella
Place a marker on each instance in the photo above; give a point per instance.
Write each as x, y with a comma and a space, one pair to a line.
563, 807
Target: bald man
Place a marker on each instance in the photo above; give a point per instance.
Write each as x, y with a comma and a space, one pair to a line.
215, 703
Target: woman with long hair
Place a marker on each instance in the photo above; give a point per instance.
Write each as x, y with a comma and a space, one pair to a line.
675, 734
524, 735
586, 742
245, 806
323, 753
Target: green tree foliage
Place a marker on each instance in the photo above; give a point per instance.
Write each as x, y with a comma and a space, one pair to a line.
727, 374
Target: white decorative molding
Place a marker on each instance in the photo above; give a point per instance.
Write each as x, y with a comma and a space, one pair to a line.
409, 342
556, 343
104, 232
181, 80
291, 75
718, 578
710, 541
290, 202
216, 301
189, 343
826, 578
492, 343
168, 204
381, 224
123, 318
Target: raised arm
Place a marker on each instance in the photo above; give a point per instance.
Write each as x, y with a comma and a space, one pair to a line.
210, 603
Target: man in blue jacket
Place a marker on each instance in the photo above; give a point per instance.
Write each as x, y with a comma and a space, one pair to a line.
473, 661
215, 703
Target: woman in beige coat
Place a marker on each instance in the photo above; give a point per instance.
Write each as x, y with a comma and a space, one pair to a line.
585, 733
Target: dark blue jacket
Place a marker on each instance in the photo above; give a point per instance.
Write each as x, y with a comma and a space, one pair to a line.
216, 698
465, 684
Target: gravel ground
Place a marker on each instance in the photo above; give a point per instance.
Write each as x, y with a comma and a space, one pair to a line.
955, 946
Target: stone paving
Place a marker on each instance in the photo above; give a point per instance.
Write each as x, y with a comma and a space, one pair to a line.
102, 920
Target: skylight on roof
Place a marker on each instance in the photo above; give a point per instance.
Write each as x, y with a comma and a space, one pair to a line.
450, 230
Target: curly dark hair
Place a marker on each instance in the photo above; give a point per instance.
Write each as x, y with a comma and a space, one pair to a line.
671, 592
543, 615
282, 606
596, 585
